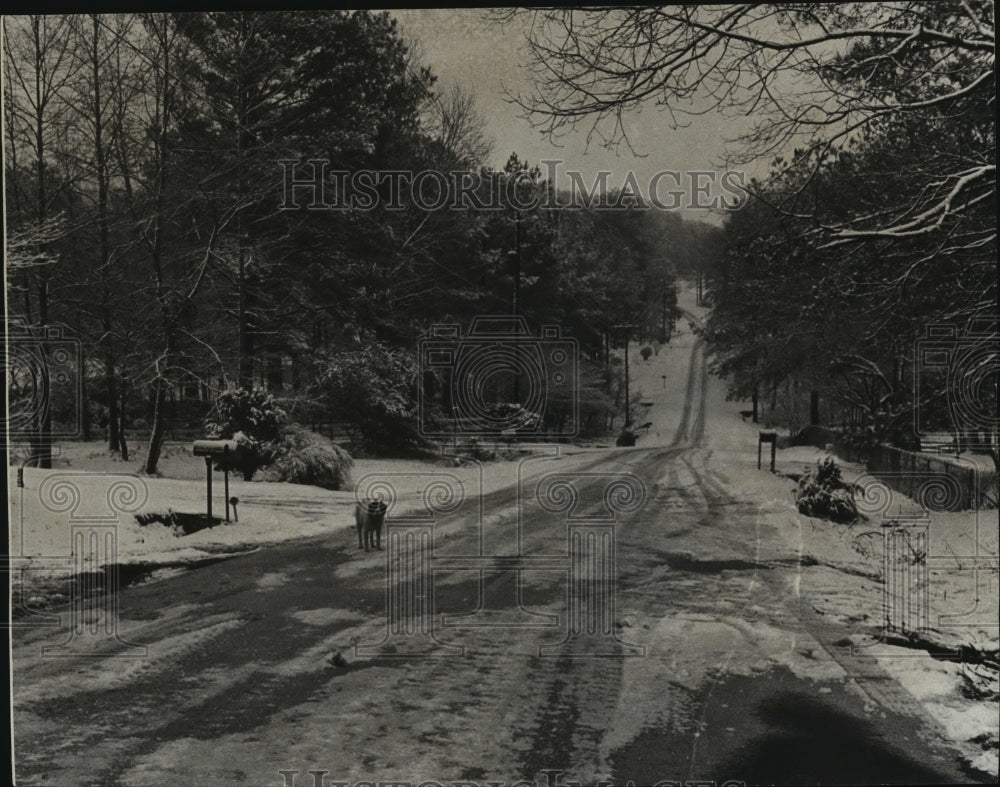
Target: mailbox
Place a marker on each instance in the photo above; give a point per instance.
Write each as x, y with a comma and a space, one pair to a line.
211, 450
214, 448
767, 437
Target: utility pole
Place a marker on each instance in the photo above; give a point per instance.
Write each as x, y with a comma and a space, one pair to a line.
663, 324
628, 408
516, 301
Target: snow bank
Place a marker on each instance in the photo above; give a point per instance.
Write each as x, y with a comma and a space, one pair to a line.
41, 524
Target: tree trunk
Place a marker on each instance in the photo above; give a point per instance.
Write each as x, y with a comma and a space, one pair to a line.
275, 372
159, 426
159, 431
122, 437
42, 439
814, 408
628, 409
84, 401
103, 225
245, 326
995, 456
42, 444
791, 416
663, 318
113, 420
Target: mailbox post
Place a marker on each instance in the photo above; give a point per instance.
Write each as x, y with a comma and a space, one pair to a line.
213, 450
767, 437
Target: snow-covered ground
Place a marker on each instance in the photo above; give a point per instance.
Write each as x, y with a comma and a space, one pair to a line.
842, 575
42, 513
846, 585
661, 383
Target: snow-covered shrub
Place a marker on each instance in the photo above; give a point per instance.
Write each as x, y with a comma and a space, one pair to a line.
249, 410
253, 419
823, 493
374, 389
516, 415
475, 449
251, 455
300, 456
626, 438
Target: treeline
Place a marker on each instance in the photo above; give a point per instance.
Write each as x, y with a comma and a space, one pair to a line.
864, 272
148, 220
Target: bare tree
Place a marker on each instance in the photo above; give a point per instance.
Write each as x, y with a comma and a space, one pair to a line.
456, 121
102, 65
36, 68
814, 76
177, 266
881, 117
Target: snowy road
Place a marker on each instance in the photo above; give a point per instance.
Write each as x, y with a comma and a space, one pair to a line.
710, 660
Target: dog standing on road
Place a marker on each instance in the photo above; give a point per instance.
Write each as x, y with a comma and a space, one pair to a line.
369, 516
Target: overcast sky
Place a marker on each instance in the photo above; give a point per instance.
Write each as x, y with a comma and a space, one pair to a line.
462, 47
